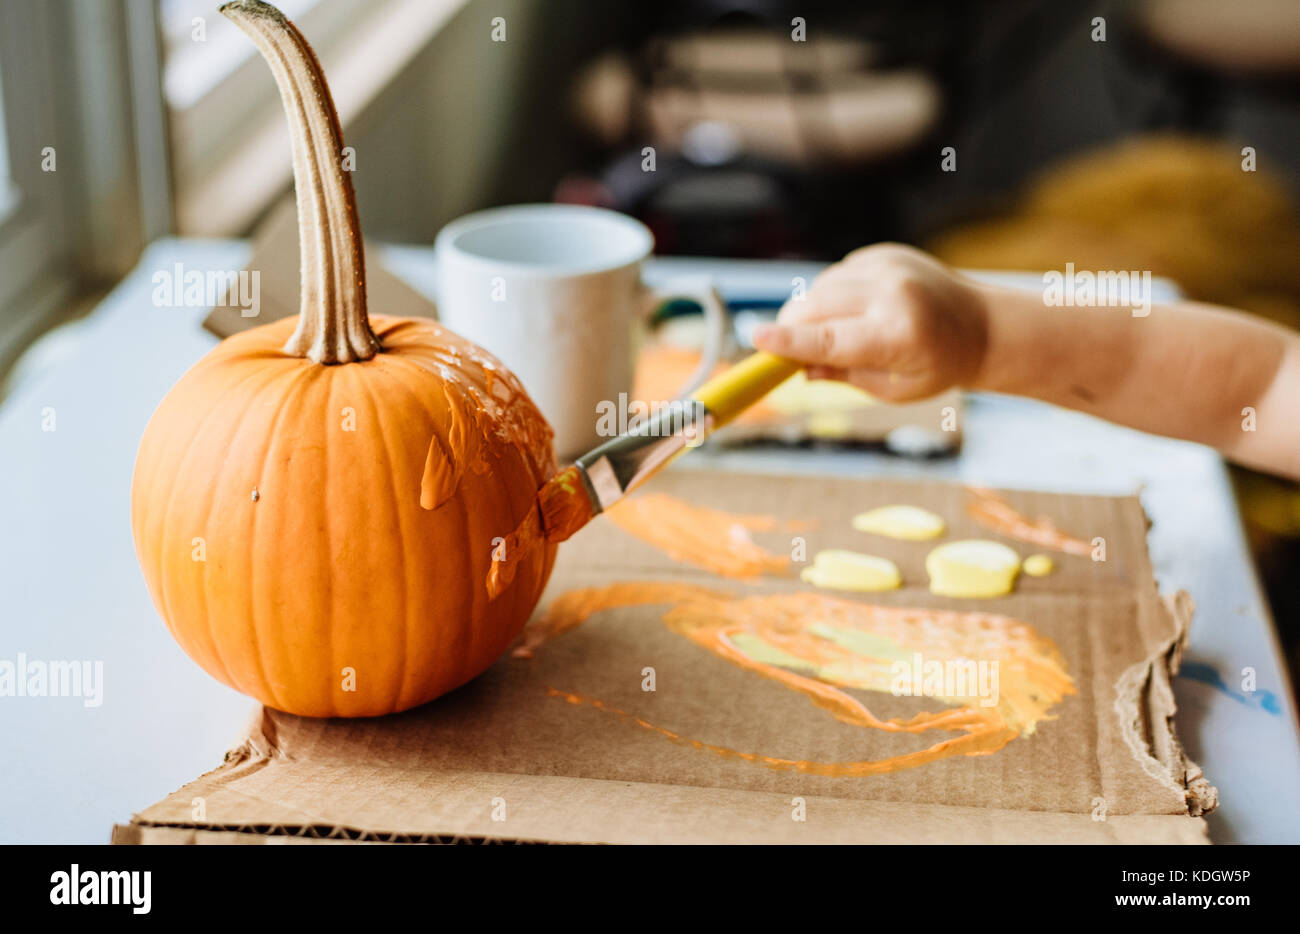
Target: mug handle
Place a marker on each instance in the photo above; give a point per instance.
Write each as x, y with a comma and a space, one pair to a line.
717, 321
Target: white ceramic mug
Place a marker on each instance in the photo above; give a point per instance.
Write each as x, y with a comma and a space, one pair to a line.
555, 291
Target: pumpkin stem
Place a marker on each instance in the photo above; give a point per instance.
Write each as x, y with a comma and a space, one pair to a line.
332, 323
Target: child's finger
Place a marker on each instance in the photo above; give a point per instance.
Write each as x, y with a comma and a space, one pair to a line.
828, 298
836, 342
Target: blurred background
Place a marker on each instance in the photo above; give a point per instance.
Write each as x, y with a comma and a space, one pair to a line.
1161, 135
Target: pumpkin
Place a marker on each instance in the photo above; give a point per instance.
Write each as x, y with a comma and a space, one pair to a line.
317, 503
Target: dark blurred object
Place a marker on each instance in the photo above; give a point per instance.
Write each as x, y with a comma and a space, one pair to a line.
1209, 57
715, 94
741, 140
1254, 38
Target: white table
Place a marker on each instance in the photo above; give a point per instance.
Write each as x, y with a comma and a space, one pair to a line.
72, 589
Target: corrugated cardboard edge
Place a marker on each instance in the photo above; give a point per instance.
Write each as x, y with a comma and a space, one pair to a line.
1145, 705
595, 811
162, 835
614, 812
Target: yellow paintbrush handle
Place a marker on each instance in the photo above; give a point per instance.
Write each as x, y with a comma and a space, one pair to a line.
738, 387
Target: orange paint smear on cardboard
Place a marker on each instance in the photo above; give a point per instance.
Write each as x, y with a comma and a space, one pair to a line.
707, 538
992, 511
821, 646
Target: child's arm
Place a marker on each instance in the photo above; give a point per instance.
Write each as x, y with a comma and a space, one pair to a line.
902, 325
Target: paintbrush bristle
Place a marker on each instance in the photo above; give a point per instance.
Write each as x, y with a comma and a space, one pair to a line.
565, 505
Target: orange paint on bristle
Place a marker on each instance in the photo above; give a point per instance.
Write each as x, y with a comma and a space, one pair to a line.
565, 505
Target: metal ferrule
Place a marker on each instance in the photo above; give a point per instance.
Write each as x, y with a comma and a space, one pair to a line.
621, 464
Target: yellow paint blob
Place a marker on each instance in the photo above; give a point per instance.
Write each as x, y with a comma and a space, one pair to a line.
836, 569
972, 568
799, 394
829, 426
1038, 566
911, 523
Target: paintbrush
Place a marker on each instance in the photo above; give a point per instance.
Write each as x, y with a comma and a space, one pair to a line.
605, 475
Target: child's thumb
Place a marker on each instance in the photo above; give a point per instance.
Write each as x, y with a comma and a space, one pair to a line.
836, 342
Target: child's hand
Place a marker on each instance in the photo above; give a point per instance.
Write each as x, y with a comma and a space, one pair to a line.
888, 318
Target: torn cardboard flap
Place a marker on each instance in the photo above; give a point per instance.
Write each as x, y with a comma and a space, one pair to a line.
1145, 707
629, 727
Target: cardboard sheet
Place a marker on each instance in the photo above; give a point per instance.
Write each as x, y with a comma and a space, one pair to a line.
568, 746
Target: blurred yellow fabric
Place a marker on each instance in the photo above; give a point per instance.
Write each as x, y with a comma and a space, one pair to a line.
1180, 207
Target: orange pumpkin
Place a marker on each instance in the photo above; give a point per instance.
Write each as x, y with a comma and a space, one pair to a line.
317, 503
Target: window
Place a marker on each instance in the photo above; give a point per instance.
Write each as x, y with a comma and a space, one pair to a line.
229, 142
124, 121
35, 275
4, 152
84, 181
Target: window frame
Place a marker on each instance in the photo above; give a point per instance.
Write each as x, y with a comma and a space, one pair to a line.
84, 80
33, 255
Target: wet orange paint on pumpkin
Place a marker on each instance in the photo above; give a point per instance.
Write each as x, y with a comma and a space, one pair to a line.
820, 646
562, 508
708, 538
992, 511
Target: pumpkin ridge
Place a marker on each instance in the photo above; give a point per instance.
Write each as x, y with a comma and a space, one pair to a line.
212, 492
170, 501
300, 379
376, 412
331, 630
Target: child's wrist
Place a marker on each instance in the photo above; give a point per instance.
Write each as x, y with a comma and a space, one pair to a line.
1003, 324
983, 310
